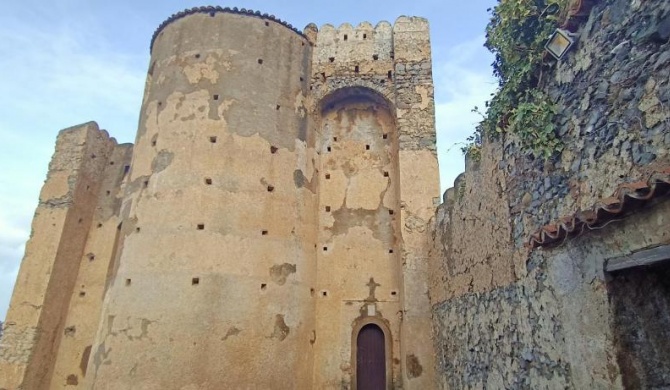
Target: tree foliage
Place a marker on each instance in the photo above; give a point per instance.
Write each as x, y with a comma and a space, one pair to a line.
516, 35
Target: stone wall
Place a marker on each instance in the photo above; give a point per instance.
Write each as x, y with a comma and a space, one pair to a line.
53, 278
508, 316
613, 103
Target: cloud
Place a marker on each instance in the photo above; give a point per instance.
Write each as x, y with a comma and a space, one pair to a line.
58, 73
463, 80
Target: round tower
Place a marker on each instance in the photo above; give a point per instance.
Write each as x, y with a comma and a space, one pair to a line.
213, 285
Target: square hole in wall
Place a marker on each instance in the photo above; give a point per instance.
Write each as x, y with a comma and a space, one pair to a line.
386, 174
389, 75
328, 149
267, 24
356, 69
128, 281
391, 212
390, 250
394, 293
91, 257
82, 293
195, 281
278, 107
111, 163
273, 149
327, 176
208, 181
385, 136
302, 79
264, 286
264, 232
260, 61
137, 229
212, 139
197, 56
365, 36
311, 291
126, 169
375, 57
324, 293
367, 147
325, 248
271, 188
215, 97
335, 139
331, 59
346, 37
108, 192
146, 183
201, 226
328, 209
99, 225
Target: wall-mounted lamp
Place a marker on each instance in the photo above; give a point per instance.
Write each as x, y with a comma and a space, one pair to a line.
559, 43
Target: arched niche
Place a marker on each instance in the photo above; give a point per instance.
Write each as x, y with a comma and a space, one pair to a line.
359, 175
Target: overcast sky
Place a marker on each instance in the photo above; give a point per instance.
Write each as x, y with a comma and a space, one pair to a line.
65, 62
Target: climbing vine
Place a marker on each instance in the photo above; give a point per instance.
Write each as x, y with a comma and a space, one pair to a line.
516, 35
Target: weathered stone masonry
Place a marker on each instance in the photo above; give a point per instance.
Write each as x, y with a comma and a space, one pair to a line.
508, 316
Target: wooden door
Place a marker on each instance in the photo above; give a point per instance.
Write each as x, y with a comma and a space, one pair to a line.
370, 359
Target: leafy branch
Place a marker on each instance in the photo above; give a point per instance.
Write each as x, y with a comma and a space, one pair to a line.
516, 35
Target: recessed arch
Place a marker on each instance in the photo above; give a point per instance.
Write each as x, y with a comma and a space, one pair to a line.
355, 94
338, 89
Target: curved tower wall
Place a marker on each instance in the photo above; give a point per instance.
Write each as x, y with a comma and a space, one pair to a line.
214, 283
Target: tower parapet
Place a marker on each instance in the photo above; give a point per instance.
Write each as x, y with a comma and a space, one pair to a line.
213, 10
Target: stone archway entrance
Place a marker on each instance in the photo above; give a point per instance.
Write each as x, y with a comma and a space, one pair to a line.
370, 359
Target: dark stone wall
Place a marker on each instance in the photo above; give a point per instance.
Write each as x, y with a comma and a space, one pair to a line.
613, 103
552, 323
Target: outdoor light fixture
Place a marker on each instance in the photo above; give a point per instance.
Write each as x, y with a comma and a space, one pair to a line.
559, 43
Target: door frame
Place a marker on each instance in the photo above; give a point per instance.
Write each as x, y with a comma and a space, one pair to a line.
388, 348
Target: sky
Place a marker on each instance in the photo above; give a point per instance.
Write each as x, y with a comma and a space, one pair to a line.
66, 62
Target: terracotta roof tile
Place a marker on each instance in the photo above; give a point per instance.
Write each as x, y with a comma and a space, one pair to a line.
626, 198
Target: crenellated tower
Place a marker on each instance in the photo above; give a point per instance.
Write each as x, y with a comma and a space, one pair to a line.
273, 226
374, 120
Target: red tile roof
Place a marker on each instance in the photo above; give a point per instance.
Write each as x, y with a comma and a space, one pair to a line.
625, 199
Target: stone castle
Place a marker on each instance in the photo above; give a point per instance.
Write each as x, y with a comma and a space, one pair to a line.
277, 223
253, 230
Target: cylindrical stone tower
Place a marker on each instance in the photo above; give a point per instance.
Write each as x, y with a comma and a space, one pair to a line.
214, 279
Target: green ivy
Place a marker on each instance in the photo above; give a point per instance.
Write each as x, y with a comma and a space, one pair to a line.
516, 35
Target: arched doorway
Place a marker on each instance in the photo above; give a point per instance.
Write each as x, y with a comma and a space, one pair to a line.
370, 358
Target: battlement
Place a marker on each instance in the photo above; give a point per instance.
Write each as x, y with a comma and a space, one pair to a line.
366, 45
347, 44
213, 10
